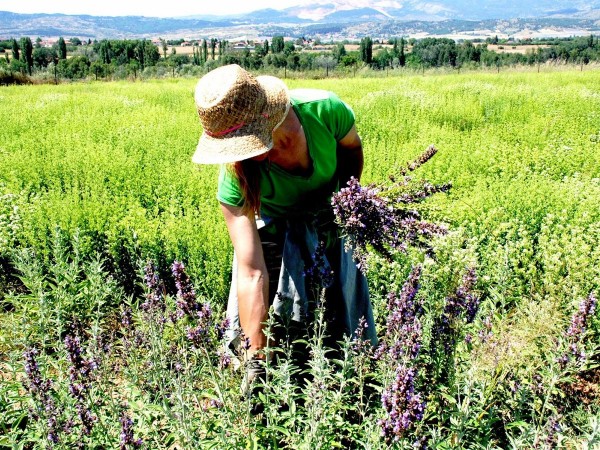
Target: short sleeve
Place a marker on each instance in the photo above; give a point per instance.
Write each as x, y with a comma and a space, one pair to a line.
228, 190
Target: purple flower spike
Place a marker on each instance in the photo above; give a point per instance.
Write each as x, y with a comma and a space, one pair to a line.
187, 304
403, 331
155, 305
319, 273
80, 371
126, 437
575, 333
40, 390
402, 404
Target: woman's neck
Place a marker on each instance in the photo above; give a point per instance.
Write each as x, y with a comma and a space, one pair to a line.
290, 149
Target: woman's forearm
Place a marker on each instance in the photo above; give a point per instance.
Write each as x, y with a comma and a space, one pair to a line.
253, 307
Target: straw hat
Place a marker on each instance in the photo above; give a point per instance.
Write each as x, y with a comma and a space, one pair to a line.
238, 113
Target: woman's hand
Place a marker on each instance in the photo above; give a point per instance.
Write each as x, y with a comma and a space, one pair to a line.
252, 278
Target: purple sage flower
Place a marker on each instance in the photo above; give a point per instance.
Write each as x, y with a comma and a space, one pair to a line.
403, 406
575, 333
187, 304
403, 330
319, 273
463, 304
40, 390
154, 306
126, 437
80, 376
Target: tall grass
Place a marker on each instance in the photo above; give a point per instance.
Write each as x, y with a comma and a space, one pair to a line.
96, 179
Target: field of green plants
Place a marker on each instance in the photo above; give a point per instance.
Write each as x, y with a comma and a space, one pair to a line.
490, 337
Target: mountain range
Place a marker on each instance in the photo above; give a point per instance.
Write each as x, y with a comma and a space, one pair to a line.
353, 10
327, 18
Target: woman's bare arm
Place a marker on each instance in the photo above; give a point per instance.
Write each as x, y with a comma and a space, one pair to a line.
350, 157
252, 276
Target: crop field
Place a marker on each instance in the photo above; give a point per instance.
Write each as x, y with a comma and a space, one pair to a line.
106, 227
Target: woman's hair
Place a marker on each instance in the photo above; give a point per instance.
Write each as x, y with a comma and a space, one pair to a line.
248, 174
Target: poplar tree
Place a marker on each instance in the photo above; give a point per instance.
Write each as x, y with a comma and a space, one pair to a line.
163, 44
366, 50
27, 53
15, 49
213, 46
277, 44
402, 56
62, 48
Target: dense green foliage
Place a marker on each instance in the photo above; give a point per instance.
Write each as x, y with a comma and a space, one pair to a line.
118, 59
96, 178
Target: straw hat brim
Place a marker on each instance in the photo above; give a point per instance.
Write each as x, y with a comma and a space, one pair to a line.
252, 139
231, 149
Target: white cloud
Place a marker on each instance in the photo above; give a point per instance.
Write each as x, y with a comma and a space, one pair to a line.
432, 8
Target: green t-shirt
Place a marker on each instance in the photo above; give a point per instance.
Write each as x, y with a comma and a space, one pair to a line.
326, 120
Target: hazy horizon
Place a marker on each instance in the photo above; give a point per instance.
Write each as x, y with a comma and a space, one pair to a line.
175, 9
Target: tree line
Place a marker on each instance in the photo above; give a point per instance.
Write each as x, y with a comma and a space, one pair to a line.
112, 58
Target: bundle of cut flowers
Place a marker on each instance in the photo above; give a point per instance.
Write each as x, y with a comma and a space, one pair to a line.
384, 218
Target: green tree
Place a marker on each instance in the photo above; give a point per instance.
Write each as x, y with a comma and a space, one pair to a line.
197, 55
402, 54
231, 58
469, 53
366, 50
145, 53
133, 68
179, 60
306, 61
104, 51
293, 61
98, 69
349, 60
339, 51
223, 47
259, 50
213, 47
62, 48
27, 53
383, 59
18, 66
76, 67
435, 52
15, 49
205, 50
276, 60
151, 53
288, 48
163, 44
326, 62
277, 44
